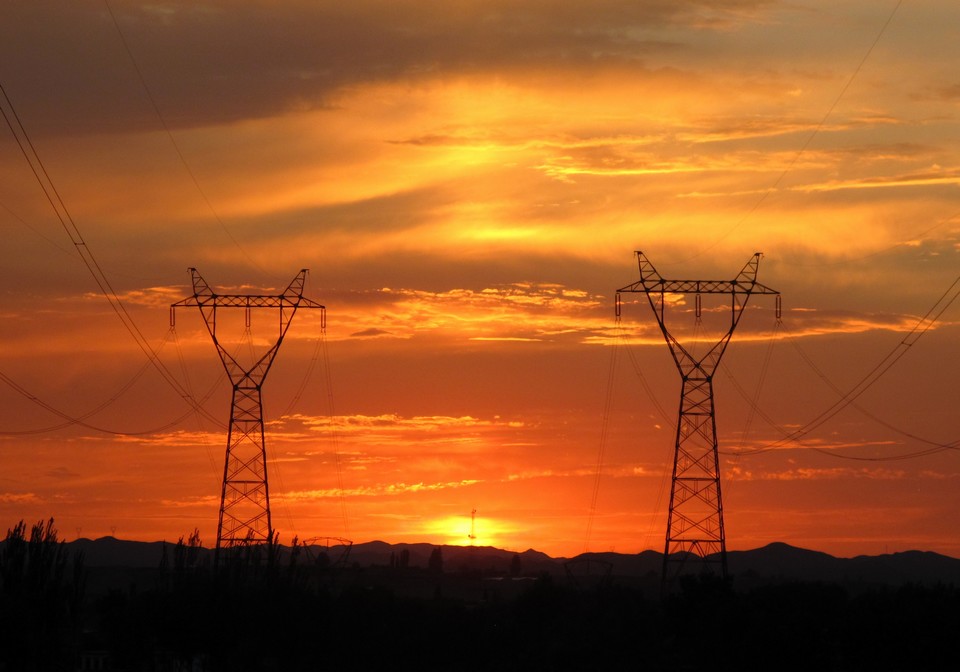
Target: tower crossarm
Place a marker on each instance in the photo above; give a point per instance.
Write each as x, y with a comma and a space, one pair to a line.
204, 296
655, 287
208, 301
250, 301
701, 287
651, 281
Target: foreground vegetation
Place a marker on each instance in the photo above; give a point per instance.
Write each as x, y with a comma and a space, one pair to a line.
261, 612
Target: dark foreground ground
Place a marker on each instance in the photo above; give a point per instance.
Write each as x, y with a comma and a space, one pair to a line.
268, 611
265, 619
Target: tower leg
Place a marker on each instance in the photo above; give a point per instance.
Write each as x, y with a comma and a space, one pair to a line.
245, 499
695, 518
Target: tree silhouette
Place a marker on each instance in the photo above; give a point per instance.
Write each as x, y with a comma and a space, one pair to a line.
515, 565
41, 587
435, 564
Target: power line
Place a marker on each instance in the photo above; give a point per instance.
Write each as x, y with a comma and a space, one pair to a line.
810, 137
753, 401
176, 145
872, 376
37, 232
70, 227
80, 420
71, 420
846, 260
638, 371
199, 418
604, 431
924, 324
328, 378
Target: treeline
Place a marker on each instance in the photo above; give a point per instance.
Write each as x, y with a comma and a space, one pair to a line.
261, 611
41, 594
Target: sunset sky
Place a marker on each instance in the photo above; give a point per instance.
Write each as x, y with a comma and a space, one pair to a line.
467, 182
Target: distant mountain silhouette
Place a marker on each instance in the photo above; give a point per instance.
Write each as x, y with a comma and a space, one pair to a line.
113, 552
774, 562
455, 558
782, 561
621, 564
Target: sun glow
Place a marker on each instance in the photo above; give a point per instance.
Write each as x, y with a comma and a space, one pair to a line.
464, 530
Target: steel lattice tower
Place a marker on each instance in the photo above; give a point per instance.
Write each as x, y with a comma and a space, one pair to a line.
695, 519
245, 497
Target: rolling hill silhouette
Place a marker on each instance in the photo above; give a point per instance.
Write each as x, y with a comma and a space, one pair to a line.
776, 561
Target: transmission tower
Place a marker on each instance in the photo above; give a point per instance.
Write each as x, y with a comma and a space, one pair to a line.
695, 519
245, 497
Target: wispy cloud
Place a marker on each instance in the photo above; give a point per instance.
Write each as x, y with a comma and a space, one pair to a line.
19, 498
192, 502
521, 311
393, 422
817, 474
371, 332
935, 177
380, 490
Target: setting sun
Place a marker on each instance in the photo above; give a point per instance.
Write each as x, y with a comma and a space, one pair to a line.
462, 531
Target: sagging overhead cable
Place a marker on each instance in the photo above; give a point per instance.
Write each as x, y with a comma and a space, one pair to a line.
53, 197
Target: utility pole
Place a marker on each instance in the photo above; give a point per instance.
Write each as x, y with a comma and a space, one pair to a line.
695, 519
245, 496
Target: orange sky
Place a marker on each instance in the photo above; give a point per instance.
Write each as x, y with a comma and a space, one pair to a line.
467, 183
